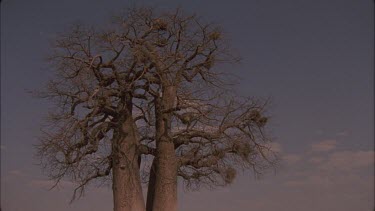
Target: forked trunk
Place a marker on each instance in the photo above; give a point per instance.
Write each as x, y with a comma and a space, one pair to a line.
127, 190
165, 194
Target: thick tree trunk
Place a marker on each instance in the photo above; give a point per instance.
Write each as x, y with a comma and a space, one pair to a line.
165, 195
127, 190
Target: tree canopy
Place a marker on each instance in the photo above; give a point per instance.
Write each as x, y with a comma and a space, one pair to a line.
145, 98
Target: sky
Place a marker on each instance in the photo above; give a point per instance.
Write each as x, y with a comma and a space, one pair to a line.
314, 59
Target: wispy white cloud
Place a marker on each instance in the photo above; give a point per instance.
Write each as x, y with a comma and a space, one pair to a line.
333, 168
329, 179
275, 147
342, 133
16, 172
349, 160
327, 166
272, 149
324, 146
316, 160
47, 184
310, 180
291, 158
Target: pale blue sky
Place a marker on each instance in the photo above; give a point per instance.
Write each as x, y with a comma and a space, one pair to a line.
314, 58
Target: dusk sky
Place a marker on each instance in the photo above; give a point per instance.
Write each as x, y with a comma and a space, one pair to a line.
314, 59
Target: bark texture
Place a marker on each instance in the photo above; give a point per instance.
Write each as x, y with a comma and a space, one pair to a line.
127, 190
165, 195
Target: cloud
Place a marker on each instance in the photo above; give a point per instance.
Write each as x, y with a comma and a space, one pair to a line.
314, 180
316, 160
328, 180
333, 169
275, 147
272, 150
349, 160
47, 184
291, 158
17, 173
42, 183
324, 146
319, 132
342, 133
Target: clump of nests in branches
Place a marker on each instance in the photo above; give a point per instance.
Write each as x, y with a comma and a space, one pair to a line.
208, 63
242, 149
159, 24
215, 35
262, 121
256, 117
229, 175
162, 42
140, 56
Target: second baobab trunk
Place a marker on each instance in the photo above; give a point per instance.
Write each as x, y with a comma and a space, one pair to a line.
165, 195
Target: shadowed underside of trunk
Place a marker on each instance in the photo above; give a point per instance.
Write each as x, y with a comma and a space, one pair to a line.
151, 187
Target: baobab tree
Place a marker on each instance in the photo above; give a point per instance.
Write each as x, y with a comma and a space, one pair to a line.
147, 85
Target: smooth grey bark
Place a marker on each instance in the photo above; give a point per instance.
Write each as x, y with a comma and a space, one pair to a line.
165, 193
127, 190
